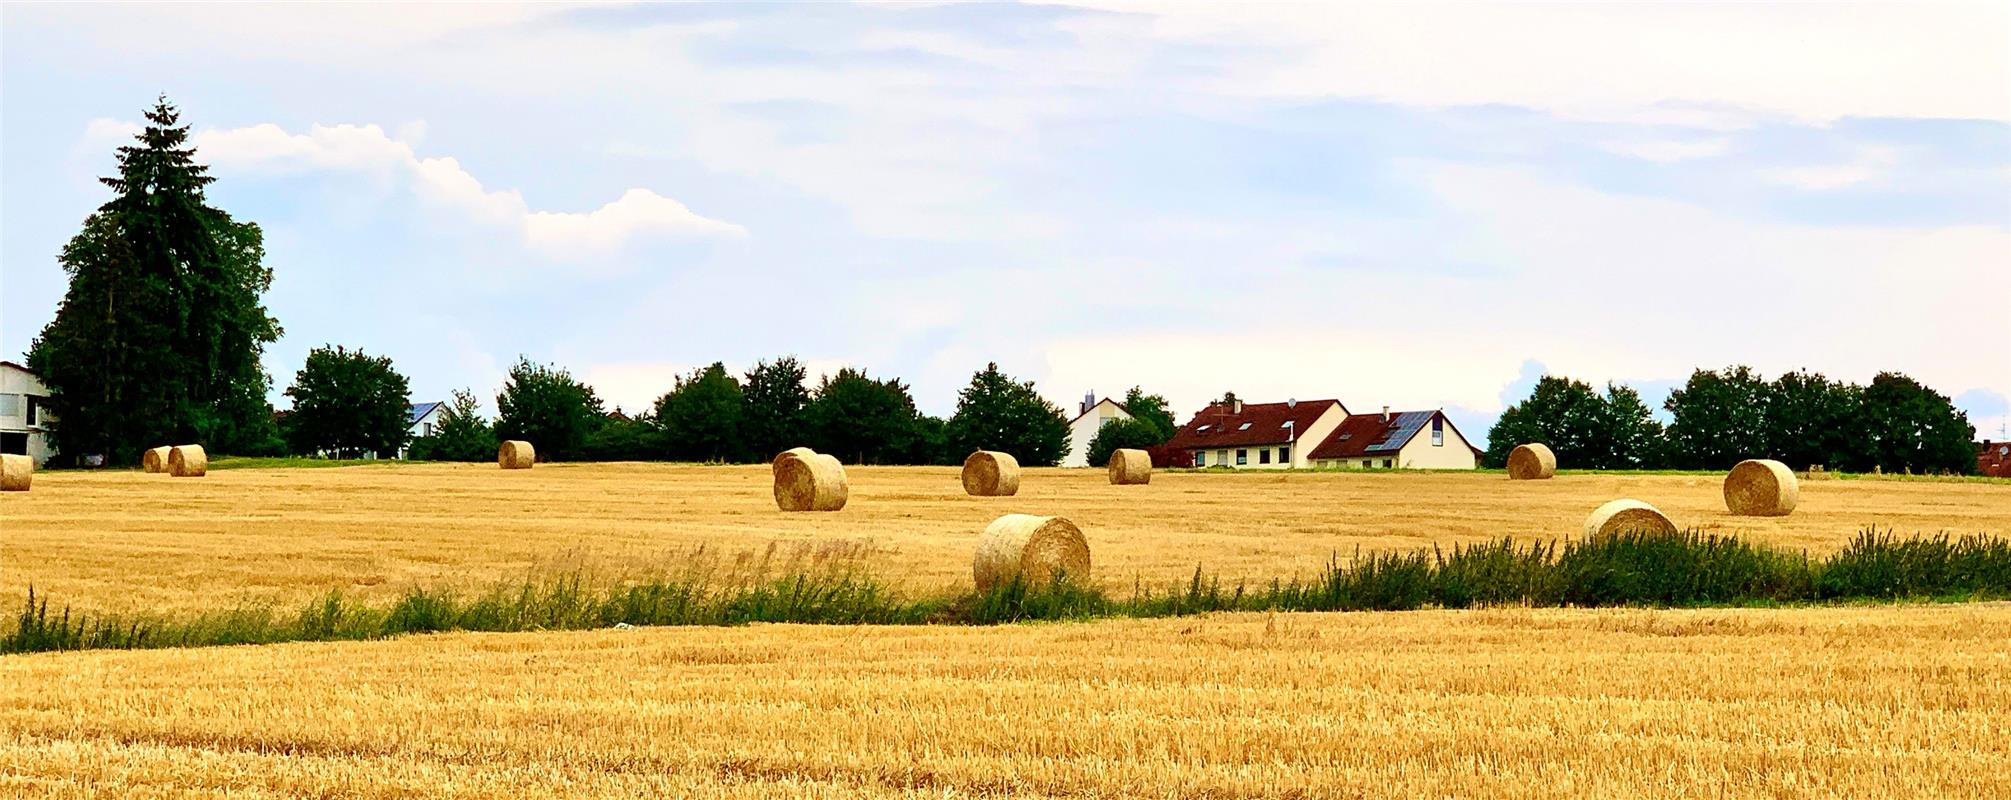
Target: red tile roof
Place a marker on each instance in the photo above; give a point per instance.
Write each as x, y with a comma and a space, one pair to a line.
1260, 423
1356, 434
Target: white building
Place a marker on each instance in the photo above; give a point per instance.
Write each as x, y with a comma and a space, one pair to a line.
1094, 415
24, 413
1401, 440
1258, 435
424, 419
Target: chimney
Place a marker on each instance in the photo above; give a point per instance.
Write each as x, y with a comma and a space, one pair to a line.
1291, 402
1386, 415
1088, 402
1238, 409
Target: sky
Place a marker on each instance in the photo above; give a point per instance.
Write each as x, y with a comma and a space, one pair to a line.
1418, 205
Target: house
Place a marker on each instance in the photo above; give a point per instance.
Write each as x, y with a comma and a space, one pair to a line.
24, 413
1992, 459
1094, 414
422, 419
1403, 440
1243, 435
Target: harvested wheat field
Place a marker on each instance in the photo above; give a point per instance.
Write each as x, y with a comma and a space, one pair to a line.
1875, 702
127, 541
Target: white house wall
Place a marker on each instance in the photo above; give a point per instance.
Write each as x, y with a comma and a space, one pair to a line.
1084, 428
19, 385
1455, 453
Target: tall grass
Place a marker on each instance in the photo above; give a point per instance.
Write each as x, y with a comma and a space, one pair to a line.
1680, 569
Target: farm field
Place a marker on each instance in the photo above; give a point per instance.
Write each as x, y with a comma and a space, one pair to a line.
1868, 702
128, 541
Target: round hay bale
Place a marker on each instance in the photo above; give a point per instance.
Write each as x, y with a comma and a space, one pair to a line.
188, 461
1627, 516
989, 473
793, 451
155, 459
516, 454
16, 473
1037, 550
1760, 487
1128, 467
1531, 462
815, 482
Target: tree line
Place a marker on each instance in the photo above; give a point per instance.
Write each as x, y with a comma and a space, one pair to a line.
1721, 417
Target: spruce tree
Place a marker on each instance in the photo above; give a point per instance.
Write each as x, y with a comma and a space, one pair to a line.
158, 337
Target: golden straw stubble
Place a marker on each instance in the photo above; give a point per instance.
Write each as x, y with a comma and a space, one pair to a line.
989, 473
1760, 487
1037, 550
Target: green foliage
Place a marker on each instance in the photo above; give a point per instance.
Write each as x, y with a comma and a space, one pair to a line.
1914, 428
545, 406
624, 438
1122, 433
1584, 429
931, 444
159, 334
1720, 419
997, 413
346, 404
700, 417
1150, 409
463, 435
861, 420
1813, 420
773, 398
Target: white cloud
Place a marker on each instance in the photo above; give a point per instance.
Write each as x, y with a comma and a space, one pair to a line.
1669, 151
1870, 163
442, 182
1616, 61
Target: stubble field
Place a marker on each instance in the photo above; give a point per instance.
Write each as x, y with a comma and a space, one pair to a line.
1882, 702
123, 542
1875, 702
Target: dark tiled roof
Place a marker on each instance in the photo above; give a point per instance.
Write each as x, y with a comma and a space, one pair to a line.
420, 410
1368, 435
1260, 423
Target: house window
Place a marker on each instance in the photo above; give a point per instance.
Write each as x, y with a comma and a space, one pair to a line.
33, 408
1264, 456
1243, 427
1366, 464
1438, 431
10, 405
1386, 463
1200, 458
428, 428
1285, 454
1242, 457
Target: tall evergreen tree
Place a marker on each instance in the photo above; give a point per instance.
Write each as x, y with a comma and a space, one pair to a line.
997, 413
700, 417
1720, 419
774, 397
159, 335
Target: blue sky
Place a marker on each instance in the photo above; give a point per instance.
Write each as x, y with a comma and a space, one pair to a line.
1418, 205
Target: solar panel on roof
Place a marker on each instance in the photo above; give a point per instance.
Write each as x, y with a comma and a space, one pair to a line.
1401, 429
